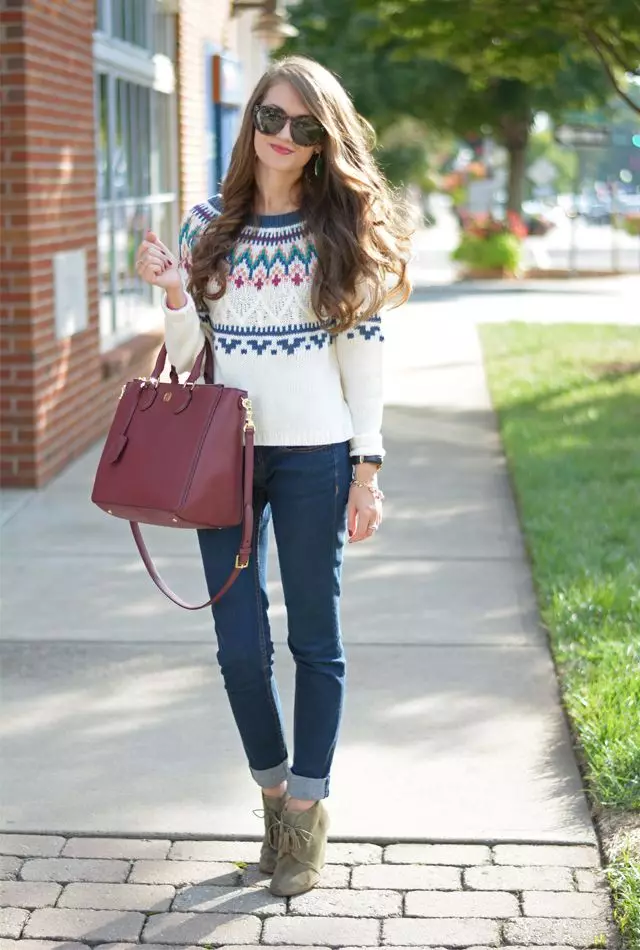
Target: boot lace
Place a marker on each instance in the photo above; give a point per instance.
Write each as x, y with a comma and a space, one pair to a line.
273, 828
292, 839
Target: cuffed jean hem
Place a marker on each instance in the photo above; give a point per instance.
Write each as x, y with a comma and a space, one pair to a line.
307, 789
269, 778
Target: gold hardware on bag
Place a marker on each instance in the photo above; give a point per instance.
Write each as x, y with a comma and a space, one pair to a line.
167, 397
239, 566
249, 423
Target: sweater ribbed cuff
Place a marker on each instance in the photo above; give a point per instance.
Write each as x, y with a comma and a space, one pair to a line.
180, 311
367, 445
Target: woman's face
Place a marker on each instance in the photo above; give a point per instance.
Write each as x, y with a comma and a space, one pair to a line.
279, 151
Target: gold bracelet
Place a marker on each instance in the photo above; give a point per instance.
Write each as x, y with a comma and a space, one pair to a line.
375, 491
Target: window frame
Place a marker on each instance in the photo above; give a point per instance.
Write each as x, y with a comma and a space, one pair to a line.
120, 61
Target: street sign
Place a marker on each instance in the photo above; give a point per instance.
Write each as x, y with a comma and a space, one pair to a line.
583, 136
598, 117
542, 172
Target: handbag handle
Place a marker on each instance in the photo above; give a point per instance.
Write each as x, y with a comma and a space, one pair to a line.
205, 353
244, 553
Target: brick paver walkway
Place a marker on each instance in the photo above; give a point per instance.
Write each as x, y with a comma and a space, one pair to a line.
118, 892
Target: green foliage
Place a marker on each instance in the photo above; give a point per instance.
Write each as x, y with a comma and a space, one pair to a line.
457, 65
403, 163
387, 92
511, 60
529, 41
624, 879
406, 151
632, 225
339, 36
459, 196
495, 251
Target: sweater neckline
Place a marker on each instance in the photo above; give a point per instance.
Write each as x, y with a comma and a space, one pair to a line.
279, 220
265, 220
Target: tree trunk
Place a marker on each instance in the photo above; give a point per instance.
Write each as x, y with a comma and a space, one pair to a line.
517, 167
515, 138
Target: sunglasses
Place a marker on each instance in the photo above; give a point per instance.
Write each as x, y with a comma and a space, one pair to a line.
305, 130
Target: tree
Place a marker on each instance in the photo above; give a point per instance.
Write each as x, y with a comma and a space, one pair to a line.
410, 153
550, 55
436, 60
525, 40
387, 91
383, 86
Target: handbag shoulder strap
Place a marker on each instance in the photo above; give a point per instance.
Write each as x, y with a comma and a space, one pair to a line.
244, 553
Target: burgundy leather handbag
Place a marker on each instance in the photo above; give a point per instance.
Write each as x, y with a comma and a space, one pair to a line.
180, 455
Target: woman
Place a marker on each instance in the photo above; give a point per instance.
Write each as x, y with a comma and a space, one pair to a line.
286, 272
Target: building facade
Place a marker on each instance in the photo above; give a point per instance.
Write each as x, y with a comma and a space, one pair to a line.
117, 116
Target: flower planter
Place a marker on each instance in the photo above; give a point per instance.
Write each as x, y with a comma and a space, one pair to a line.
488, 273
490, 249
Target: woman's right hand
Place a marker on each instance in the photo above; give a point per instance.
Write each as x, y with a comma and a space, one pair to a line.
156, 264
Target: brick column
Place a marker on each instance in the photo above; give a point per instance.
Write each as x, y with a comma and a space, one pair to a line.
56, 395
48, 205
200, 22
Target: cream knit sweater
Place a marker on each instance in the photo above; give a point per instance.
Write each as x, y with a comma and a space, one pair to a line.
307, 387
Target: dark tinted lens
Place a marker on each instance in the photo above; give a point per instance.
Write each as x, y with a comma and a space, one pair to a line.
305, 130
270, 120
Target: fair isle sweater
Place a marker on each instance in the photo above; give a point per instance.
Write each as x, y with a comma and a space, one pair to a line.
307, 387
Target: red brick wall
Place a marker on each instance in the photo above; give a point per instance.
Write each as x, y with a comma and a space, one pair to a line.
54, 397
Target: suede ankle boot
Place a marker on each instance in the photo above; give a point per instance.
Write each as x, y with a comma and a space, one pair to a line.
303, 840
272, 808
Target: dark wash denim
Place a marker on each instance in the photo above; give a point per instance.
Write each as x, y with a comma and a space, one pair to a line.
305, 490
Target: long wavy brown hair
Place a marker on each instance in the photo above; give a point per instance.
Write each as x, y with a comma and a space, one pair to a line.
358, 222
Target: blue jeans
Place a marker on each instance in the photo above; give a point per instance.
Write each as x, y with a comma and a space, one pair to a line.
305, 489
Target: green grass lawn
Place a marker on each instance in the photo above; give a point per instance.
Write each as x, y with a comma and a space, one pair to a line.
568, 402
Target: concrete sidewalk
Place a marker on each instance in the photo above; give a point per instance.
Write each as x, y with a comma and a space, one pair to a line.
115, 719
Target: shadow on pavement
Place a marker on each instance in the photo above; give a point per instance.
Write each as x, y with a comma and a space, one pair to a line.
451, 696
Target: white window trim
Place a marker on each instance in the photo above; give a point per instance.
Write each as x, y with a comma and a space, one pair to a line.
119, 59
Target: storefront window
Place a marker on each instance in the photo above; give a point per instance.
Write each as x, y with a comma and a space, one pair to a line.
128, 20
136, 169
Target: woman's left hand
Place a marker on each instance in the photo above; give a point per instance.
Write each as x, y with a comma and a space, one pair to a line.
364, 514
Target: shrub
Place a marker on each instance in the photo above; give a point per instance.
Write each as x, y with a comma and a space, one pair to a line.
495, 251
632, 224
487, 243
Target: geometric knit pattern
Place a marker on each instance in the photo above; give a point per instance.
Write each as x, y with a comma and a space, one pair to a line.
286, 339
263, 260
308, 387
